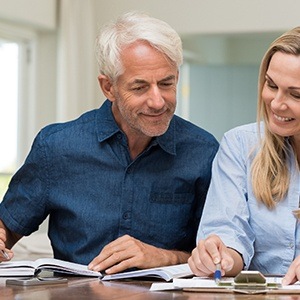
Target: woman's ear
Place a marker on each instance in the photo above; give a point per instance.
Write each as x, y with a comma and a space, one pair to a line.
106, 87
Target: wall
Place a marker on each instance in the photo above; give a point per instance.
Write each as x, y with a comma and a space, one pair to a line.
211, 16
34, 13
222, 97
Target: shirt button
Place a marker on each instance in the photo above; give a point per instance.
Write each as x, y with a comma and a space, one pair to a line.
291, 245
126, 215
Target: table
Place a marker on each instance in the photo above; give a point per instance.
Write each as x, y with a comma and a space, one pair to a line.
92, 288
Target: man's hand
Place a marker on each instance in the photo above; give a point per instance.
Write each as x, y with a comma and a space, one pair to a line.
212, 251
5, 254
7, 240
127, 252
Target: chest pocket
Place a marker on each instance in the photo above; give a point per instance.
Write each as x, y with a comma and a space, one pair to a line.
170, 214
170, 198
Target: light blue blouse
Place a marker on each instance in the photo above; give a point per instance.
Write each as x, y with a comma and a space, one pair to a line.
267, 239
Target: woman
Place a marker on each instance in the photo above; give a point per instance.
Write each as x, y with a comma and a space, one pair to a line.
250, 219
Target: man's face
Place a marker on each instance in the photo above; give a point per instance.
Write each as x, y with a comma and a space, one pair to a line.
145, 94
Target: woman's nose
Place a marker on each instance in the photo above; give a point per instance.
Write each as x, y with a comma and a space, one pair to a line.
279, 102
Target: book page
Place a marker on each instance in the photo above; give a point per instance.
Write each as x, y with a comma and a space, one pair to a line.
181, 270
166, 273
61, 265
17, 268
17, 264
27, 267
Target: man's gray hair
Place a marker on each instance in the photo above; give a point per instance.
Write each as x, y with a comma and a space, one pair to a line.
129, 28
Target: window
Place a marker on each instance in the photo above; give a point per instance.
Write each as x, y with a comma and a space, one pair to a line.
9, 61
17, 98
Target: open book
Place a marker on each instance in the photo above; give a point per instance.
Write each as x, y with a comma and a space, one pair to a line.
167, 273
30, 268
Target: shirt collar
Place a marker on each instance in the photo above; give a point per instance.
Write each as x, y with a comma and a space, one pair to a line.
106, 127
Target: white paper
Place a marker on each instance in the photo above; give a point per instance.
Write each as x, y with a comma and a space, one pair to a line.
198, 282
162, 286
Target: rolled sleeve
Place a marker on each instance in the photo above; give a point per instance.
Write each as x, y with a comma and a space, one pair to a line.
26, 194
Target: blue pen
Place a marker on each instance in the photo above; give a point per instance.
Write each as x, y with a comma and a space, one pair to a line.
218, 274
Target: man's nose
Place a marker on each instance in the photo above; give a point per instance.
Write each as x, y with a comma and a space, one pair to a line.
155, 98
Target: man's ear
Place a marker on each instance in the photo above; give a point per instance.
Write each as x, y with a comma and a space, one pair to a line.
106, 87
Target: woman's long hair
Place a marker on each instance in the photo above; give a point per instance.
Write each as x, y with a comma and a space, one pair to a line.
270, 172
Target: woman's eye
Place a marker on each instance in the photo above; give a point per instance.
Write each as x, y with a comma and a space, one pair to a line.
296, 96
271, 85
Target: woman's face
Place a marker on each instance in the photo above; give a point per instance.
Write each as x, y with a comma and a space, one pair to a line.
281, 95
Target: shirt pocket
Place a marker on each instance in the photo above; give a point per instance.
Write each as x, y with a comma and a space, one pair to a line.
172, 198
170, 214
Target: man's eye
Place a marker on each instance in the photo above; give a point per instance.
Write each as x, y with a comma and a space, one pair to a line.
139, 88
166, 84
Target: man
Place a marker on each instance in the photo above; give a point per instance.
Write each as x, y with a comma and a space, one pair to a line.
124, 185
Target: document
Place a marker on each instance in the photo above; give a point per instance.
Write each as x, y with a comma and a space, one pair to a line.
205, 284
30, 268
166, 273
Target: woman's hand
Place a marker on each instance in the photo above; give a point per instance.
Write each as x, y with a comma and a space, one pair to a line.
293, 273
212, 251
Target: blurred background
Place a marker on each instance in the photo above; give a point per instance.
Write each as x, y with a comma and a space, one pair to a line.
48, 70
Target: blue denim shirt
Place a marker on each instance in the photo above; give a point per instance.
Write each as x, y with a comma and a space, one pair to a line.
268, 240
81, 174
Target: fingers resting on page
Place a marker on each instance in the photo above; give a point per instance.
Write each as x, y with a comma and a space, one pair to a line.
124, 253
207, 254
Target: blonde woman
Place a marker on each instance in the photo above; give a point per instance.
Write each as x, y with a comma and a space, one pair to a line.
250, 219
